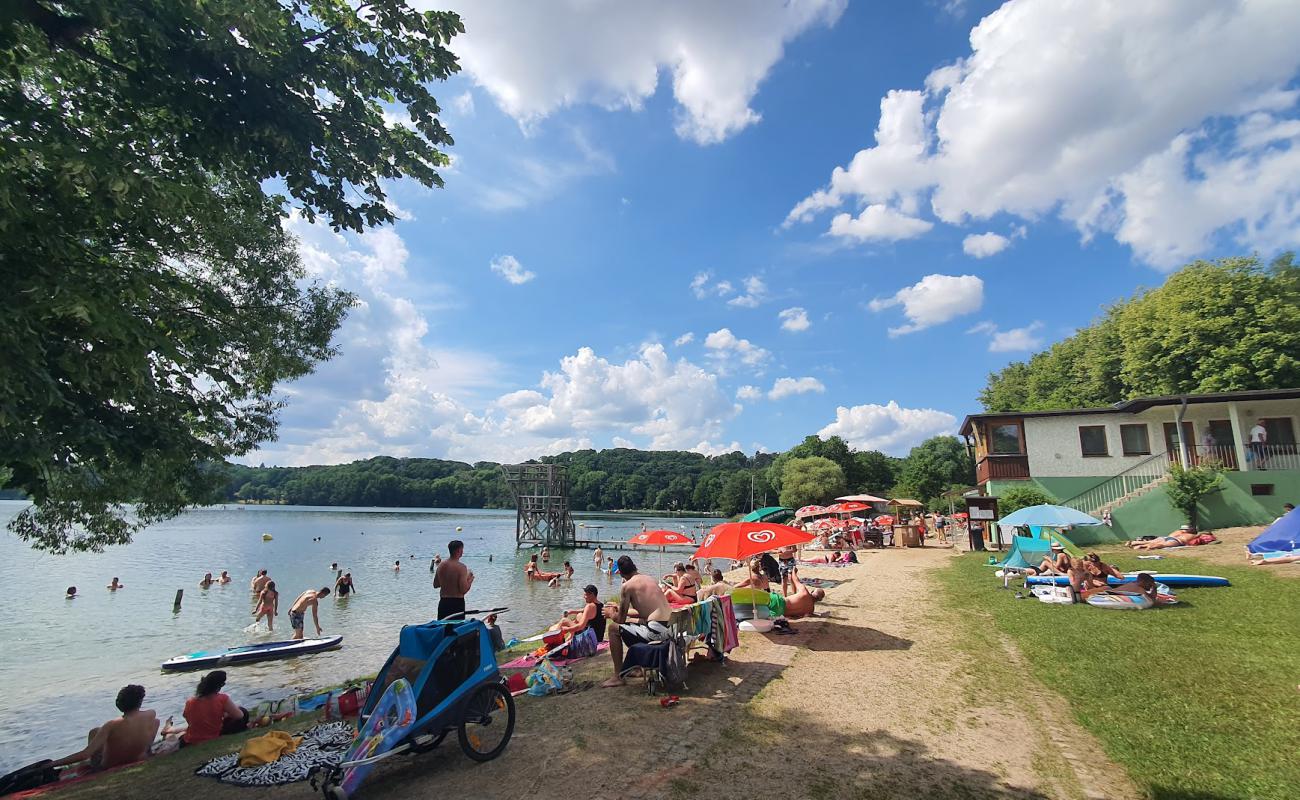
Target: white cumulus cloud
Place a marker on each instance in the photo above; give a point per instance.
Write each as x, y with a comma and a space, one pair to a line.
933, 300
983, 245
794, 319
724, 347
1012, 340
1169, 124
889, 428
749, 392
787, 387
755, 293
535, 58
879, 223
684, 339
509, 268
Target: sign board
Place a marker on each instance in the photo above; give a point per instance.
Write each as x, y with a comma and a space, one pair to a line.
981, 513
984, 510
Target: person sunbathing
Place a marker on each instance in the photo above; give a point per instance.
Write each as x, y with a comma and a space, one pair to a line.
1183, 537
757, 577
124, 740
575, 620
802, 603
1143, 584
1256, 559
1058, 563
685, 585
1092, 574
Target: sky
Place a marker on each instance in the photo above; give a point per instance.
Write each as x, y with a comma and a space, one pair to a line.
729, 225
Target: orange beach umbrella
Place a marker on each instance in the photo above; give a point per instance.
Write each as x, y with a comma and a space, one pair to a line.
740, 540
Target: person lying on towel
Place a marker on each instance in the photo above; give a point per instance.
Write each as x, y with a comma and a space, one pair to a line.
1185, 536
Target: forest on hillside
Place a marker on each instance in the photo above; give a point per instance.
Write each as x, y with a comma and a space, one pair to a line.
816, 470
1213, 326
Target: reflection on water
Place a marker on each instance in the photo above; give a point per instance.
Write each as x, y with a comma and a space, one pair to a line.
62, 661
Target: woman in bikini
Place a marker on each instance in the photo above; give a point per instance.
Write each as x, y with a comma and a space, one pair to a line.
687, 585
1180, 538
533, 573
268, 605
757, 577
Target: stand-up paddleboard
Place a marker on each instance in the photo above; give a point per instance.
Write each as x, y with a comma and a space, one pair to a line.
384, 728
1167, 578
1130, 602
205, 659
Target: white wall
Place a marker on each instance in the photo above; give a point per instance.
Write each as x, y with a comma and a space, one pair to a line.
1052, 443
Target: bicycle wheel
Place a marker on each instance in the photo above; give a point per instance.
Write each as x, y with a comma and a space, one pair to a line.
487, 722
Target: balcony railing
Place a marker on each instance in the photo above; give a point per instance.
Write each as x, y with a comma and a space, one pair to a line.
1272, 456
1001, 467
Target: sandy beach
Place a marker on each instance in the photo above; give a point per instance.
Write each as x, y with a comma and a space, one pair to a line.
881, 698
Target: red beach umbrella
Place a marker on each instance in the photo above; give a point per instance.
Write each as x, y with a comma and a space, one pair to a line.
884, 519
851, 506
809, 511
960, 515
740, 540
834, 508
660, 537
825, 524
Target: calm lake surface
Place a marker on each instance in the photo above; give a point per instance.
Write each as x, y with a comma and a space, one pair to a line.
62, 661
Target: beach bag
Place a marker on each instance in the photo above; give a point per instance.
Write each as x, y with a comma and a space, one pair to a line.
581, 646
674, 672
31, 776
544, 679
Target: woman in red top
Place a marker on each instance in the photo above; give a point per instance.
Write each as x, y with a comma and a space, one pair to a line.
211, 713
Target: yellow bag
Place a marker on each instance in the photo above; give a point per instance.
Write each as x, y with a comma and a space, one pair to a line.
267, 749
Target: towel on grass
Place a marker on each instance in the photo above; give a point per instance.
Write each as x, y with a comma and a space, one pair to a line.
528, 662
323, 744
267, 749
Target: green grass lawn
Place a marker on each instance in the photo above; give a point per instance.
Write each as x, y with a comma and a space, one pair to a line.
1197, 700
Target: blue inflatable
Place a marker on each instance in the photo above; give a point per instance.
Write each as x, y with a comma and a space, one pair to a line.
1282, 536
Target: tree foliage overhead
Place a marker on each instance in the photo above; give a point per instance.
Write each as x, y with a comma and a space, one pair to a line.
1214, 326
157, 299
1018, 497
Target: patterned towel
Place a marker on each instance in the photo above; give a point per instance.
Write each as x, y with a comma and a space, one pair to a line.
326, 743
528, 662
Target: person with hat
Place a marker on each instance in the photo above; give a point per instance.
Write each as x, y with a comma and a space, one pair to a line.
1058, 563
577, 619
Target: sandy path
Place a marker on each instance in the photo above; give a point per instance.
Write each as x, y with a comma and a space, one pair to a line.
874, 701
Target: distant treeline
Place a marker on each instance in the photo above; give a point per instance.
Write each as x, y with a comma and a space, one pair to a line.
618, 478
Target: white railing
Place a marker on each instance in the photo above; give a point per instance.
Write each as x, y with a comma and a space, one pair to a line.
1109, 491
1272, 456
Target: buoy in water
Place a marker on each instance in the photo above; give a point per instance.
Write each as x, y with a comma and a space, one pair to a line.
459, 528
266, 537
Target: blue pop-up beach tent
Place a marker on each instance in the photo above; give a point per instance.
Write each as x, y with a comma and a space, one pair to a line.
1282, 536
1026, 552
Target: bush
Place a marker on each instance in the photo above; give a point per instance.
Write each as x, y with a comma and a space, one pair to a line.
1021, 497
1187, 487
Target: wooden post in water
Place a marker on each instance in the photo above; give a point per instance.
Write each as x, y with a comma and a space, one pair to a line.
176, 606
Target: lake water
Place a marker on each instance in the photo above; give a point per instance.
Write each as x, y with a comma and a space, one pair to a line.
62, 661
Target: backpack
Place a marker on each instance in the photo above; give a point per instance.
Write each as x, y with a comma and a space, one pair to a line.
31, 776
674, 672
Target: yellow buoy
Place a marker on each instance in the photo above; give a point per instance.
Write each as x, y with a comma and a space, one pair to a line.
459, 528
266, 537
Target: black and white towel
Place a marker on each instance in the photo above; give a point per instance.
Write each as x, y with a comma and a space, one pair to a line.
325, 744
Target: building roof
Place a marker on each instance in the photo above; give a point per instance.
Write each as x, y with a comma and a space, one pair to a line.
1137, 404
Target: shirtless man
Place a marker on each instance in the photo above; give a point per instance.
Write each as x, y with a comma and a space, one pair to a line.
640, 592
119, 741
453, 581
115, 585
308, 599
598, 557
1180, 538
575, 619
259, 582
224, 577
803, 602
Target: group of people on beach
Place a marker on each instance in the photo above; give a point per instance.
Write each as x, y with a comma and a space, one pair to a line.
1089, 575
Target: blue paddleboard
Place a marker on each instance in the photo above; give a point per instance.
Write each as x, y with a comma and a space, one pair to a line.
266, 651
1167, 578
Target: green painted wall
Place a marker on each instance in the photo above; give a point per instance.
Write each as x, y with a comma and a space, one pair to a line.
1231, 506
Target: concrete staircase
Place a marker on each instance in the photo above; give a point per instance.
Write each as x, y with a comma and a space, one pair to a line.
1115, 491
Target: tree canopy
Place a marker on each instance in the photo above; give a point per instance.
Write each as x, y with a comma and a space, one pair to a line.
813, 479
157, 299
1214, 326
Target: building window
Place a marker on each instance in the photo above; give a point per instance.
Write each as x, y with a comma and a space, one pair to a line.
1279, 430
1134, 439
1005, 439
1092, 440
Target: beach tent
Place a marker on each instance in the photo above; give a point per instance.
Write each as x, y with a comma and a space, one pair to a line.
769, 514
1282, 536
1026, 552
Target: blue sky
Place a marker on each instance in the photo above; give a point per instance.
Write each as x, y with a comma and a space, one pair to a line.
730, 225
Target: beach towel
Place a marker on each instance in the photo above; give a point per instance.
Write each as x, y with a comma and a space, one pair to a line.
267, 749
530, 661
324, 744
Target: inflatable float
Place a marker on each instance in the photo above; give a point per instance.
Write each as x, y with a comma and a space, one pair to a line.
205, 659
384, 728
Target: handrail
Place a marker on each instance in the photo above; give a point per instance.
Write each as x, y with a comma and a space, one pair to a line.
1098, 497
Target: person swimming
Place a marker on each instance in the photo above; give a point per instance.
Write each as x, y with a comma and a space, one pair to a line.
115, 585
71, 594
224, 577
207, 581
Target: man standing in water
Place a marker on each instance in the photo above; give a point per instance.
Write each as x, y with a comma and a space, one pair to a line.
308, 599
598, 557
642, 593
453, 581
259, 581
